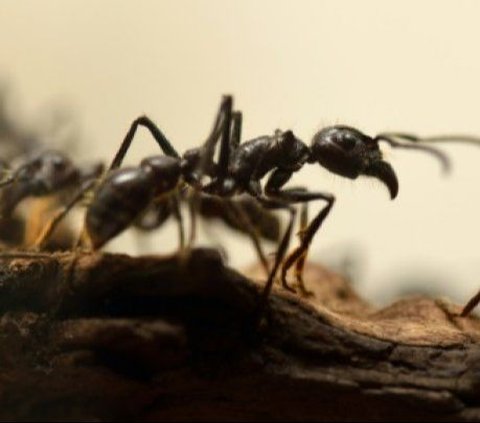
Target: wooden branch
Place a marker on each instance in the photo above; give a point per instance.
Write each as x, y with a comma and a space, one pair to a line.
112, 337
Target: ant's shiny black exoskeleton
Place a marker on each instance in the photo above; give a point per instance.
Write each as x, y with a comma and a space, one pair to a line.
241, 167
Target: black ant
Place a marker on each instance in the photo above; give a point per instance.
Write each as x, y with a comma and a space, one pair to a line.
341, 149
240, 169
47, 173
44, 174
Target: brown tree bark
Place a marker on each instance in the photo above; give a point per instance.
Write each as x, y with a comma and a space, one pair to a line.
111, 337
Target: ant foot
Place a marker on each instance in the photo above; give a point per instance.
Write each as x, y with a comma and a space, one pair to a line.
305, 292
287, 287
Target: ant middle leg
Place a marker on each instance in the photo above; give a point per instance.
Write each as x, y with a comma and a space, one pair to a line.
291, 196
275, 204
298, 256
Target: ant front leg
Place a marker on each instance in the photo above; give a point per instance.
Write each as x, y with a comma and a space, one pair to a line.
274, 204
298, 195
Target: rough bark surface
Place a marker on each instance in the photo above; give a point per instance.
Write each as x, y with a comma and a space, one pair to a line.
97, 337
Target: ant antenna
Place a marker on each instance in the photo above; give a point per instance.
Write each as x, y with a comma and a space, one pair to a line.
442, 157
468, 139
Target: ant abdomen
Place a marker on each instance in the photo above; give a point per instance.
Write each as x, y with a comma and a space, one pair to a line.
118, 201
125, 193
165, 172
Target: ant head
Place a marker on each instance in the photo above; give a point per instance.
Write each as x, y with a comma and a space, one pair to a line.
48, 172
348, 152
294, 152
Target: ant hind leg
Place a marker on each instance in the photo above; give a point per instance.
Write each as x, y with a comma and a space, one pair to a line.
160, 138
298, 256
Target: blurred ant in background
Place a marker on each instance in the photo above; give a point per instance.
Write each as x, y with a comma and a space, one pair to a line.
46, 174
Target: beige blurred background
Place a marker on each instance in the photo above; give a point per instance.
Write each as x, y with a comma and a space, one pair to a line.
376, 65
